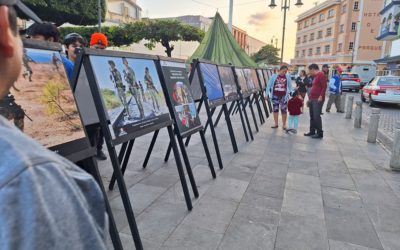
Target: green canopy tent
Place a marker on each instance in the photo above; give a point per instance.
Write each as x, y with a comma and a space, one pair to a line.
220, 46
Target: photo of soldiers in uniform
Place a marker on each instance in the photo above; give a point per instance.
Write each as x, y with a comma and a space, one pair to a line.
242, 81
249, 80
228, 83
262, 78
130, 90
254, 79
41, 103
180, 94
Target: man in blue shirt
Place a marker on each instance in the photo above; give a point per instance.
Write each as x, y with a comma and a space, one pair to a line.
335, 91
46, 201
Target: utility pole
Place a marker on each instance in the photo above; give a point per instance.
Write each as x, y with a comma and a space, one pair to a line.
230, 15
99, 13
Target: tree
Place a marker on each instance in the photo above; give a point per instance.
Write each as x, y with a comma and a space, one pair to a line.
78, 12
153, 31
267, 54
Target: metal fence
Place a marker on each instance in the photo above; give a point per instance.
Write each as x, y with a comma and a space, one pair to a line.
388, 72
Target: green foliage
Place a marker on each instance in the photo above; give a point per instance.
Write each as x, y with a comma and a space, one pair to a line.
154, 31
53, 99
111, 101
267, 54
79, 12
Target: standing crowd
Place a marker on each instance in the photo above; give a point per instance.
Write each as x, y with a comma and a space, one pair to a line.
312, 85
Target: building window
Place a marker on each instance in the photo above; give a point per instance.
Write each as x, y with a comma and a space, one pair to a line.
351, 45
327, 49
331, 13
318, 52
309, 52
340, 47
341, 28
297, 54
356, 5
298, 40
353, 27
305, 39
306, 24
312, 37
313, 21
320, 34
299, 26
344, 8
329, 32
303, 53
321, 17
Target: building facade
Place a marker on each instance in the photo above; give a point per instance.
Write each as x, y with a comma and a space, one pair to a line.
197, 21
339, 32
122, 11
389, 34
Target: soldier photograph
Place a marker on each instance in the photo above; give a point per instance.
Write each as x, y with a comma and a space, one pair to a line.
134, 88
116, 78
55, 60
151, 89
26, 59
12, 111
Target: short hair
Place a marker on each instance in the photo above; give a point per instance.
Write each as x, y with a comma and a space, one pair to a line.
304, 72
313, 66
73, 38
46, 29
295, 93
12, 20
325, 66
111, 62
283, 67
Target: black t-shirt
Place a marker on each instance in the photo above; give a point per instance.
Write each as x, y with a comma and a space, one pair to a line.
302, 84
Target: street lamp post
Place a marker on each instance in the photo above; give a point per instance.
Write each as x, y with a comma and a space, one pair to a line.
285, 6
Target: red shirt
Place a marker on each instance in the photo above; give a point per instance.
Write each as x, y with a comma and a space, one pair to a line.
294, 106
319, 86
280, 86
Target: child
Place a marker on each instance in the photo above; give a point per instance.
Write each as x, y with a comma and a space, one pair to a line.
295, 107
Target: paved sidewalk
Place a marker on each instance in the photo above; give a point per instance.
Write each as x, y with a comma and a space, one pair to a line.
279, 192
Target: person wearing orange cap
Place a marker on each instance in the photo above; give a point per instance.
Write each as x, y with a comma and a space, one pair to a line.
98, 41
335, 91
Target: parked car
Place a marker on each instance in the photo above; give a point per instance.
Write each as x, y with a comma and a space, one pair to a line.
351, 82
384, 89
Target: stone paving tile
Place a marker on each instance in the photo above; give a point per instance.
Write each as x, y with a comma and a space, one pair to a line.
339, 245
239, 172
305, 183
228, 189
244, 234
303, 204
332, 167
342, 181
301, 233
192, 237
304, 167
341, 199
272, 169
257, 214
351, 226
268, 186
212, 214
261, 201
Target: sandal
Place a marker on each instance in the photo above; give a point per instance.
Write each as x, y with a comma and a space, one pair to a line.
276, 126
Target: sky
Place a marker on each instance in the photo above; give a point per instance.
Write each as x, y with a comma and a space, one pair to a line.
254, 16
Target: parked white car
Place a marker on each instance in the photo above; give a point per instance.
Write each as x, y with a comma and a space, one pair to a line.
385, 89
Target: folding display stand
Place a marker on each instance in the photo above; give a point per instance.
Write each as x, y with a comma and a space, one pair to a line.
126, 139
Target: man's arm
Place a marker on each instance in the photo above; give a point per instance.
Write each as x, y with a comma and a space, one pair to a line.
51, 206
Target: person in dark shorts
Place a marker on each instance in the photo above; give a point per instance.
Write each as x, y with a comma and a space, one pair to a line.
279, 87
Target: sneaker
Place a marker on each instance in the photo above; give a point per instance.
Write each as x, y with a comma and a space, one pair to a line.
317, 136
100, 155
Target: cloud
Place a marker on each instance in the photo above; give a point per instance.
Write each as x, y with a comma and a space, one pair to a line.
258, 19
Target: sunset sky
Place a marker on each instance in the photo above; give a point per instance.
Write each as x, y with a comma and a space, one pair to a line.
254, 16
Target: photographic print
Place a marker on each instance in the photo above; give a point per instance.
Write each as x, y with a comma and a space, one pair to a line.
228, 83
249, 80
254, 77
41, 103
215, 94
131, 92
262, 79
180, 94
266, 77
242, 81
195, 85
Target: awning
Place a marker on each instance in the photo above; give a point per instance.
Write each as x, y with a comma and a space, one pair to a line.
388, 59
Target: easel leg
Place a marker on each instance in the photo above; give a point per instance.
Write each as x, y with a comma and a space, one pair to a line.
247, 120
180, 168
214, 136
120, 158
125, 197
127, 156
209, 121
230, 129
243, 124
210, 163
153, 141
168, 152
260, 114
264, 105
188, 138
253, 115
188, 167
218, 118
90, 165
